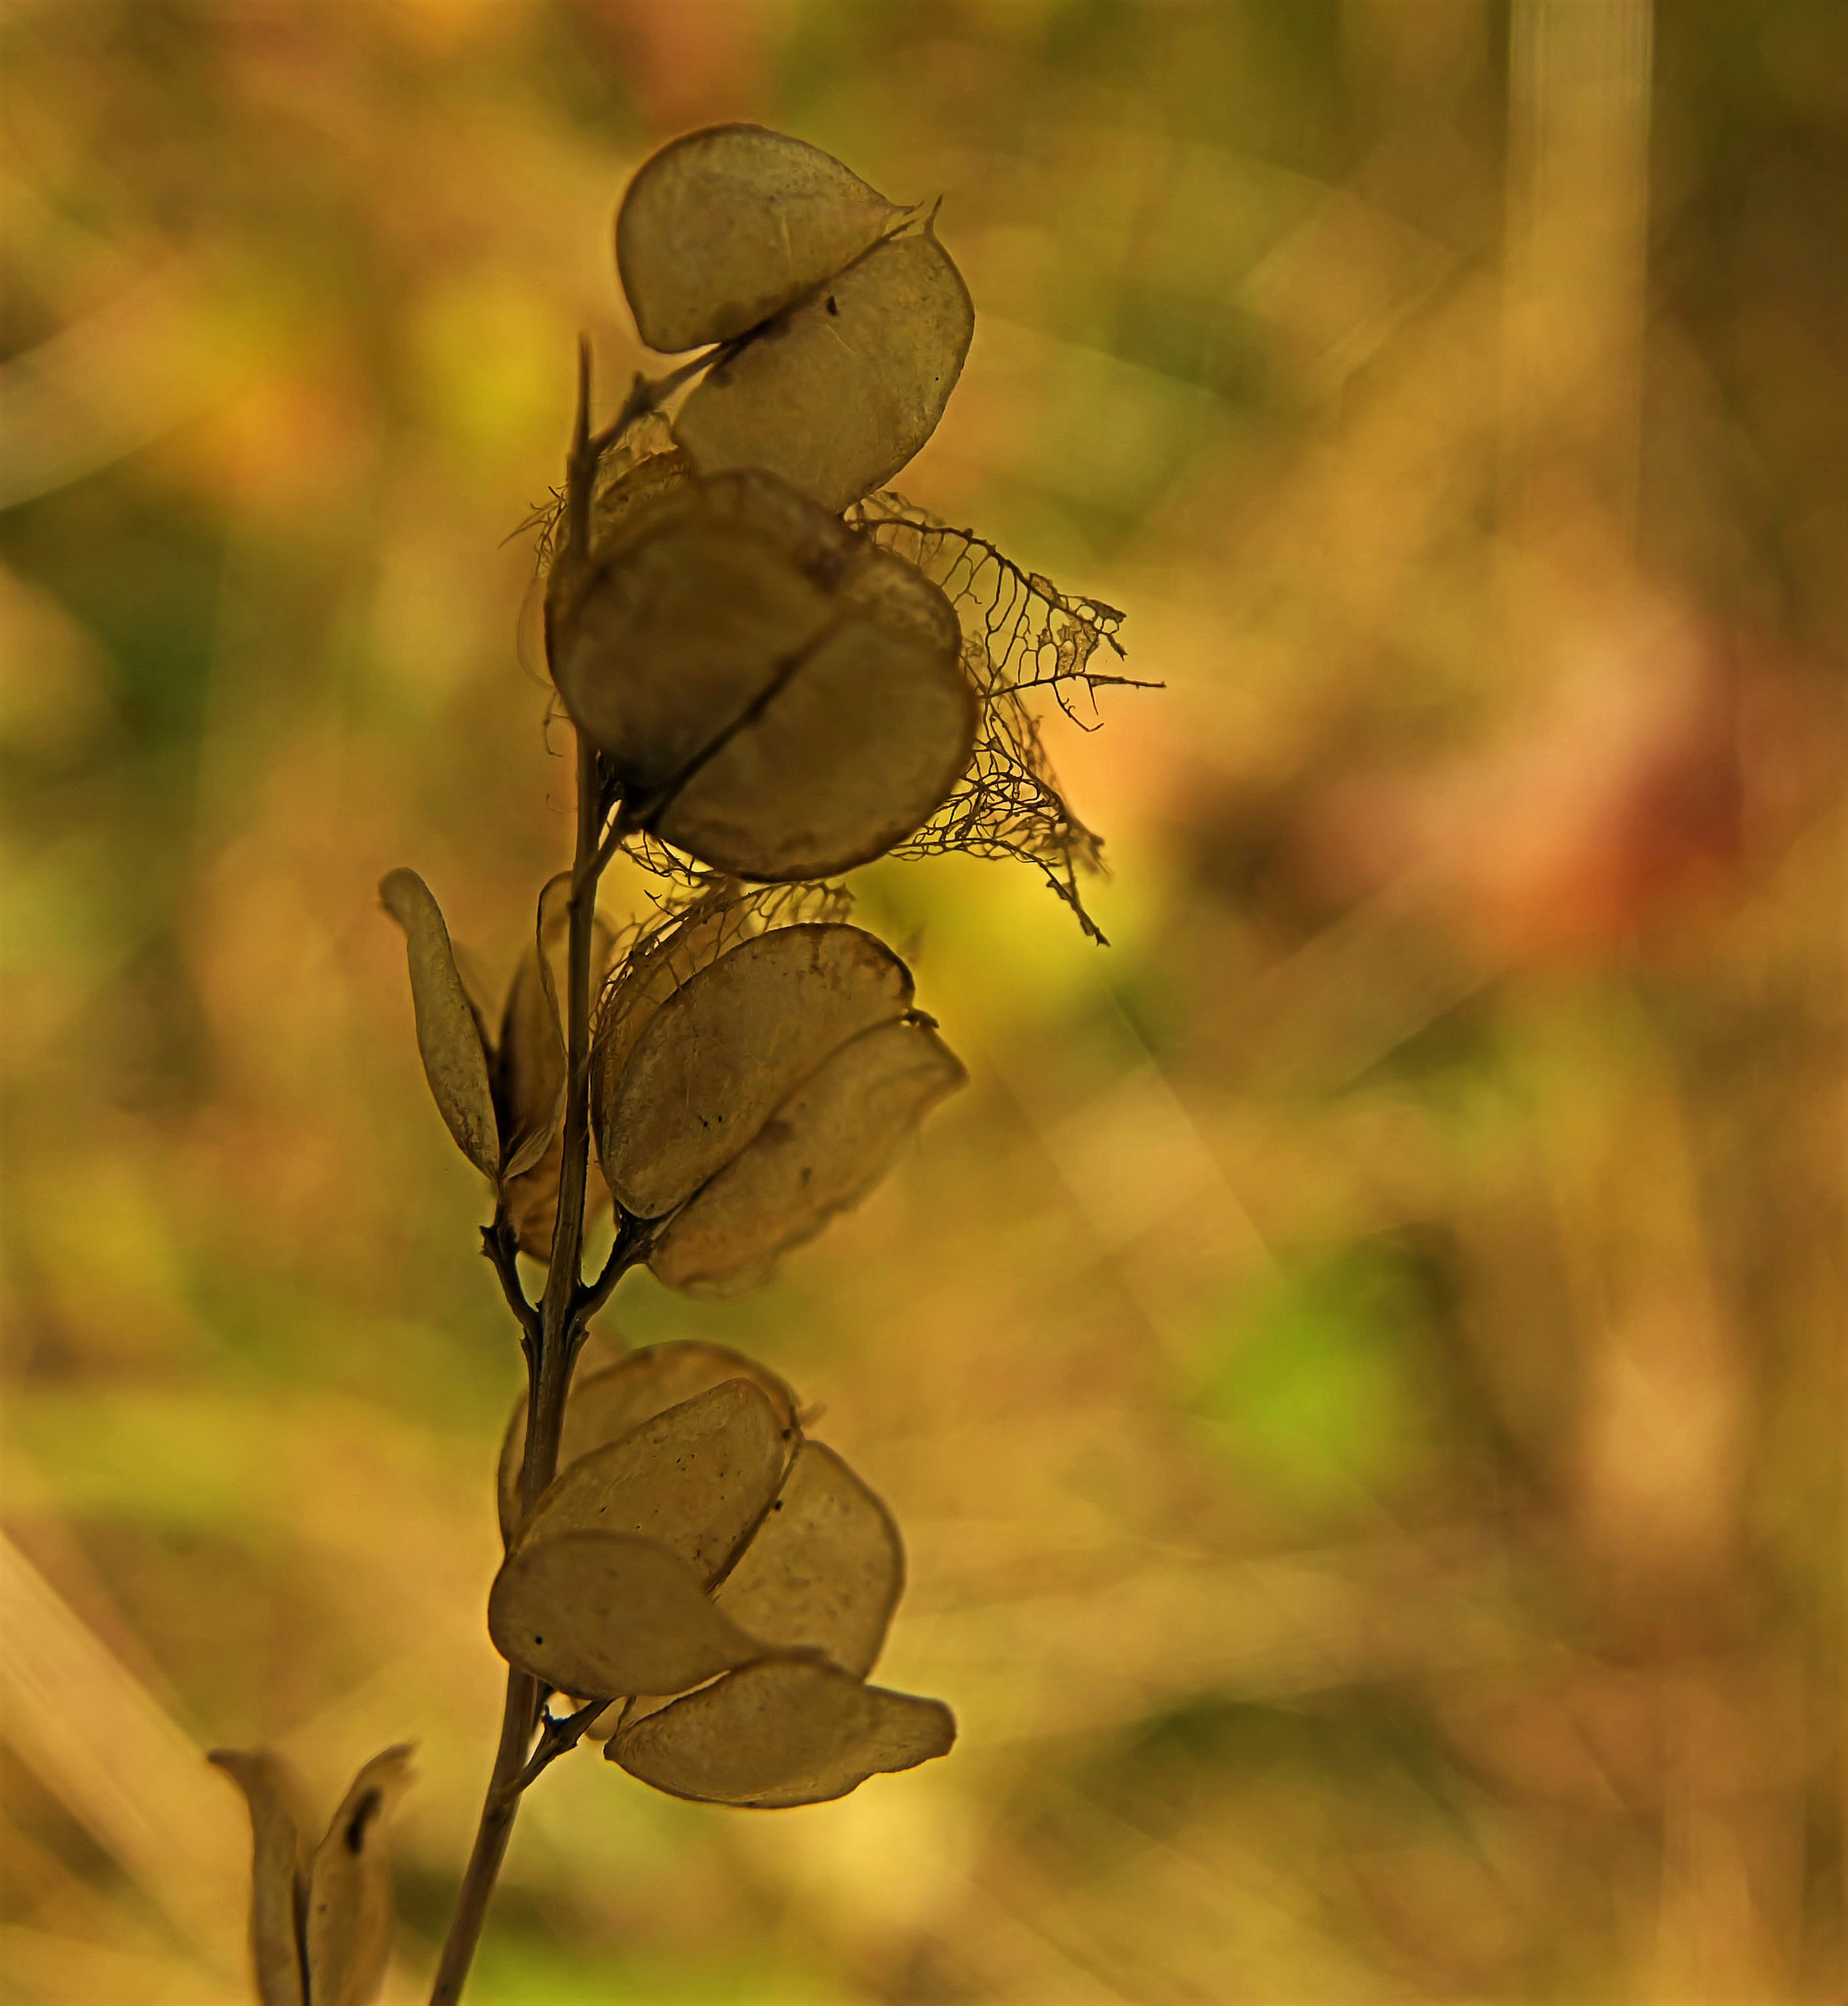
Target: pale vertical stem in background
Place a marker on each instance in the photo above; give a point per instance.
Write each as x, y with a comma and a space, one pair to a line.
1664, 1434
1579, 91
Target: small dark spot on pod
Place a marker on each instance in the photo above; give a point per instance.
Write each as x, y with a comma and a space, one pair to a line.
831, 306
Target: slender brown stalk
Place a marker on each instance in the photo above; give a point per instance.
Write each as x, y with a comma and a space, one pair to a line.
552, 1352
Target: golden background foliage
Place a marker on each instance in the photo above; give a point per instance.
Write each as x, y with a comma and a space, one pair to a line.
1360, 1368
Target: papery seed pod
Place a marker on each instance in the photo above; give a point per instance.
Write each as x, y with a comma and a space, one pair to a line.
827, 1144
726, 1048
698, 1479
604, 1406
839, 392
605, 1614
767, 1092
782, 700
723, 227
824, 1569
781, 1732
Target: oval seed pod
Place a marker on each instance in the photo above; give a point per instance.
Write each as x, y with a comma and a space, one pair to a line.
822, 1151
838, 393
854, 748
778, 1732
696, 1480
605, 1614
719, 1056
825, 1568
678, 632
782, 698
723, 227
449, 1041
604, 1406
346, 1930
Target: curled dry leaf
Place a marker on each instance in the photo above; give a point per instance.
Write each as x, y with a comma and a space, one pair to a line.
780, 1731
825, 1568
605, 1405
825, 1146
696, 1479
726, 226
348, 1926
278, 1871
783, 699
718, 1058
448, 1039
529, 1070
838, 392
321, 1927
603, 1614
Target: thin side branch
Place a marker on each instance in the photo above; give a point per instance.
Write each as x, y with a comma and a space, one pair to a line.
558, 1734
500, 1245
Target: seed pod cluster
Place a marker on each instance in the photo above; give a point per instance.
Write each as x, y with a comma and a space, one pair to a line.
777, 696
779, 672
731, 1582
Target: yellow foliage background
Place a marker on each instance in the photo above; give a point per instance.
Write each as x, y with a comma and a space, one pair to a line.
1359, 1368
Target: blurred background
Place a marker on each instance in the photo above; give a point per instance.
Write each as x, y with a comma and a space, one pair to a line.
1359, 1368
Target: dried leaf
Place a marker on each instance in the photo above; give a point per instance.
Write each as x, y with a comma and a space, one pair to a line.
1021, 638
532, 1045
781, 1732
278, 1871
721, 1054
530, 1058
825, 1146
456, 1061
723, 227
604, 1406
825, 1568
605, 1614
348, 1929
696, 1479
836, 393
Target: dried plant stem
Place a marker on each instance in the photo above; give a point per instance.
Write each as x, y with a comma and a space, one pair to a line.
552, 1336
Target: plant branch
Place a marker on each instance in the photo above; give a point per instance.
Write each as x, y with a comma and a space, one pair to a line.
499, 1245
551, 1350
558, 1734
